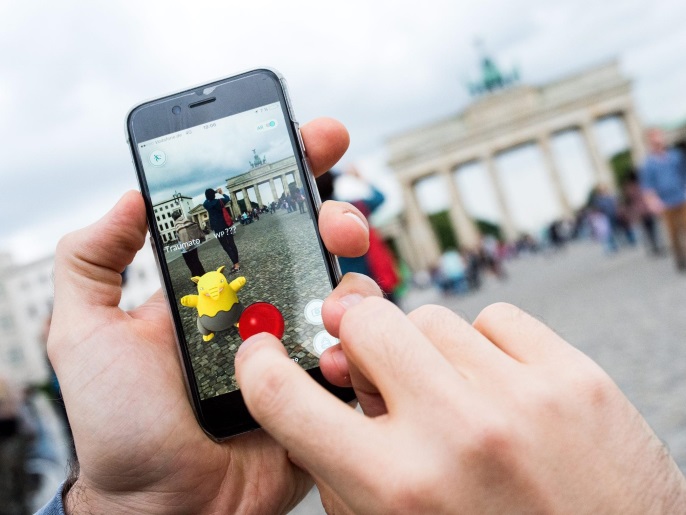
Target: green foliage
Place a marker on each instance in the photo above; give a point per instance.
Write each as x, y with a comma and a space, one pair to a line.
622, 165
440, 222
489, 228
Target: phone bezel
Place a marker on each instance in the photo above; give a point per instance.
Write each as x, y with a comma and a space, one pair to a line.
225, 415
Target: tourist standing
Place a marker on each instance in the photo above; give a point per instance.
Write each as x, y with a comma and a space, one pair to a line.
637, 211
215, 209
190, 237
663, 179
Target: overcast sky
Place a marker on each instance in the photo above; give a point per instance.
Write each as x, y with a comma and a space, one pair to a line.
69, 72
202, 158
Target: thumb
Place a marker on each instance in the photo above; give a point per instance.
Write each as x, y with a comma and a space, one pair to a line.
89, 262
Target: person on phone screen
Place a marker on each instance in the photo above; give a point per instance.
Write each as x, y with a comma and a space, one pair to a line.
496, 416
190, 237
215, 209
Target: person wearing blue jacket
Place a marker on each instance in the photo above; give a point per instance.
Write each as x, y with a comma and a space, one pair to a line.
215, 209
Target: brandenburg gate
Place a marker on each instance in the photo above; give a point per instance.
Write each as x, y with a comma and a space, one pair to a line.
495, 123
278, 175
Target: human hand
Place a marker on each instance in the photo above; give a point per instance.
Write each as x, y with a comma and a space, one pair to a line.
220, 191
502, 416
654, 203
139, 446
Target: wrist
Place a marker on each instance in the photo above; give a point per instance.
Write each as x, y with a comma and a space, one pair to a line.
83, 499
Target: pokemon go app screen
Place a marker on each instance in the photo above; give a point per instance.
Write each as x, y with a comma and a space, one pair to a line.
239, 241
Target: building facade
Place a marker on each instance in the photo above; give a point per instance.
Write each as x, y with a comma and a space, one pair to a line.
26, 297
163, 215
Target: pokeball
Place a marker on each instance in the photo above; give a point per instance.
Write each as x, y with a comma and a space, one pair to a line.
261, 317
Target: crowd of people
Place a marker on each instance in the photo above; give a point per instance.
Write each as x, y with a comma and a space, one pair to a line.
654, 193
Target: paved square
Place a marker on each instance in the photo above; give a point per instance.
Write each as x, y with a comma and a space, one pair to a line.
282, 264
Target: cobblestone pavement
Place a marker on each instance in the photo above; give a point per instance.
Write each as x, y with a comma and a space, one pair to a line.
627, 312
281, 262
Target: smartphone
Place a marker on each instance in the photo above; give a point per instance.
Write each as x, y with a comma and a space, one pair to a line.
232, 210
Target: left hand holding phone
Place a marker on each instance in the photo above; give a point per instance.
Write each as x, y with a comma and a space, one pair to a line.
139, 446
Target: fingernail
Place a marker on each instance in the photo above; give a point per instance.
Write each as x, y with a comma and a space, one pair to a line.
357, 219
350, 300
250, 341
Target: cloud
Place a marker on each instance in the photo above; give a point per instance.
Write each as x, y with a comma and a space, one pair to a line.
73, 69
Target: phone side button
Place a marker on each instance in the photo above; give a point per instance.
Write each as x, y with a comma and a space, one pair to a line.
300, 139
291, 113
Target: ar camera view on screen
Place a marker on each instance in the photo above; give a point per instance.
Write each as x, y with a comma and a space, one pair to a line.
239, 241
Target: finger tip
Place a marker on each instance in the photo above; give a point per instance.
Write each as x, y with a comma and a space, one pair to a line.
344, 230
334, 366
326, 140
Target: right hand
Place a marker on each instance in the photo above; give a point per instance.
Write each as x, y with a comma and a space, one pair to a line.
502, 416
219, 190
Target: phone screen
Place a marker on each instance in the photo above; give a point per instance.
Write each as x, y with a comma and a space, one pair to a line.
239, 240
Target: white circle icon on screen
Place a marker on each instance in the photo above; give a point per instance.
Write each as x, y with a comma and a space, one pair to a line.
158, 158
322, 341
313, 312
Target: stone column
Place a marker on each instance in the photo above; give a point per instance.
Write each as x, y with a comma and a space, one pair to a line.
554, 174
296, 176
601, 168
422, 235
636, 137
246, 199
272, 185
506, 222
236, 205
257, 195
466, 231
284, 183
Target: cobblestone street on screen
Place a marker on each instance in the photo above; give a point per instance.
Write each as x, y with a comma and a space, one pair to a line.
282, 264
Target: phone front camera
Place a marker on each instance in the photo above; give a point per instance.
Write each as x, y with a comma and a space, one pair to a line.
176, 110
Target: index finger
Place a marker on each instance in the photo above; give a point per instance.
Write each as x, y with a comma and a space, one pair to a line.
326, 140
324, 434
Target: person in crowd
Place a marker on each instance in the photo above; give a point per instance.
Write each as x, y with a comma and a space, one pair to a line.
472, 258
300, 199
190, 237
540, 427
638, 212
663, 178
490, 256
219, 222
379, 262
15, 441
452, 272
605, 203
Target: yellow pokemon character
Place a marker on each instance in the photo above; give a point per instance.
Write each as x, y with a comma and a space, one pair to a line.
217, 302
